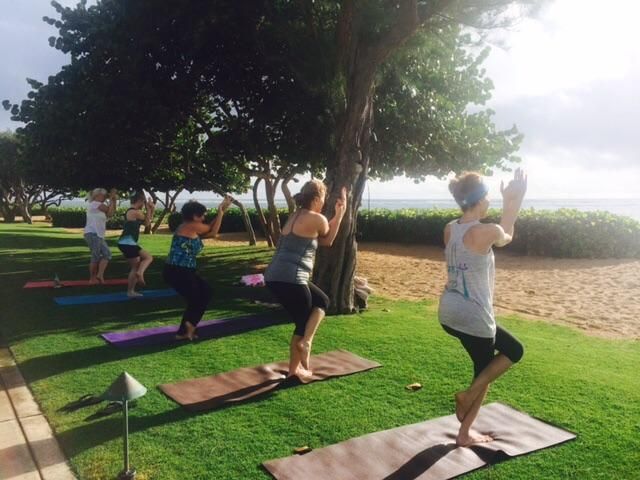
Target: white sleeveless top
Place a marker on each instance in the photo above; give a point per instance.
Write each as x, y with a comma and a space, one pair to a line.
96, 220
467, 302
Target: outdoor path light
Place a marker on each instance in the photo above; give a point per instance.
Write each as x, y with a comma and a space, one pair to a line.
125, 389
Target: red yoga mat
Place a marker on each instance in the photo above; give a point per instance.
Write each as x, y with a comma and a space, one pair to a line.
74, 283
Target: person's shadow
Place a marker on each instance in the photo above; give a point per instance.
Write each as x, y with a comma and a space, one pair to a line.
424, 460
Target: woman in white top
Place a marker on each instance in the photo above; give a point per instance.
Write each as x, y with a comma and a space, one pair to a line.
97, 213
466, 306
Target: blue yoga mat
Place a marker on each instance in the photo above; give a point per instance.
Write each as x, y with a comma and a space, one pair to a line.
113, 297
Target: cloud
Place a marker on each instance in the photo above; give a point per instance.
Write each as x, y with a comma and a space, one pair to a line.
599, 123
26, 52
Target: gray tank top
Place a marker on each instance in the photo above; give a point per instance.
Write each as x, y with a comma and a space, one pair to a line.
293, 260
467, 302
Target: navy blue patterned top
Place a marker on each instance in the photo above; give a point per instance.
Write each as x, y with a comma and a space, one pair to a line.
184, 250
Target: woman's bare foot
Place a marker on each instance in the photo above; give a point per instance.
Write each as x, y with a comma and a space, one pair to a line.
93, 281
100, 280
302, 373
466, 439
463, 404
134, 294
140, 279
189, 334
305, 349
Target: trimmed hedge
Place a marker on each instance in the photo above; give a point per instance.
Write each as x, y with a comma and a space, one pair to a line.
76, 217
563, 233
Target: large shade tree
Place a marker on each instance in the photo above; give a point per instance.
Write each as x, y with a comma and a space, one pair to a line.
361, 38
356, 88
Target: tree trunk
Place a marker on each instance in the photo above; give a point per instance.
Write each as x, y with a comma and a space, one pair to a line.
336, 265
169, 206
260, 213
8, 214
291, 204
24, 212
359, 59
274, 219
22, 203
247, 222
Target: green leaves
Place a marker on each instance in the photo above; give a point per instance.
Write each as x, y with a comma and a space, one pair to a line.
562, 233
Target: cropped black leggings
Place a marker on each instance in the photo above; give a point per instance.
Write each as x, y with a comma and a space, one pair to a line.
299, 300
482, 350
194, 289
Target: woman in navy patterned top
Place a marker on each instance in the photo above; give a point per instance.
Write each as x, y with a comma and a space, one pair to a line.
180, 266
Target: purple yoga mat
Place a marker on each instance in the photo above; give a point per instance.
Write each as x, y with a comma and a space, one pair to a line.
207, 329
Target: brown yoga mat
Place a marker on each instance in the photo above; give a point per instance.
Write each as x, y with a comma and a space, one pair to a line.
424, 451
245, 383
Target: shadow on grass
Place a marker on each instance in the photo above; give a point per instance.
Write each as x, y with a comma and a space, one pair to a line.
84, 437
77, 440
38, 368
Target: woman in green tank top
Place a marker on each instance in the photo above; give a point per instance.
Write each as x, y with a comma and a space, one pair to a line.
139, 259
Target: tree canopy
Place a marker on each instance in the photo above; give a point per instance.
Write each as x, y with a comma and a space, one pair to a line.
184, 94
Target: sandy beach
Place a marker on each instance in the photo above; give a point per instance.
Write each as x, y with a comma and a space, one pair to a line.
599, 296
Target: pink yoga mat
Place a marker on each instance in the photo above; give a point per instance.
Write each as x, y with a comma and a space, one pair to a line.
74, 283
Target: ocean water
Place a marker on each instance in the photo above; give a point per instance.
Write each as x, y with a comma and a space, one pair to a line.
626, 207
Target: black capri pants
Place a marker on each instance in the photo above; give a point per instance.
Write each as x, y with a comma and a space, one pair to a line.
194, 289
299, 300
482, 350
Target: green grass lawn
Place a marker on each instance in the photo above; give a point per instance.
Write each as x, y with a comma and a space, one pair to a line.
588, 385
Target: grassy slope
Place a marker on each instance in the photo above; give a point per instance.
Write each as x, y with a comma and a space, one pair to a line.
588, 385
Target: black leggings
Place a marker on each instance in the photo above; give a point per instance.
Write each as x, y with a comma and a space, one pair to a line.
194, 289
299, 300
482, 350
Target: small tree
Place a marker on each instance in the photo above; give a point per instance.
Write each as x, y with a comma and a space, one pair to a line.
18, 194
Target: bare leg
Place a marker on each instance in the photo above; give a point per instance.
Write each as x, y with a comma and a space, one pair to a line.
145, 261
317, 315
466, 398
102, 266
295, 359
93, 273
466, 436
132, 279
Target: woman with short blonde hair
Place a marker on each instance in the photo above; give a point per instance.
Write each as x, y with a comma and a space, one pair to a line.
96, 224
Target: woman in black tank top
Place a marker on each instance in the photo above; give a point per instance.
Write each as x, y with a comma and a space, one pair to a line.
139, 259
288, 275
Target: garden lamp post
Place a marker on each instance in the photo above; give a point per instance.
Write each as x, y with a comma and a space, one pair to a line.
125, 389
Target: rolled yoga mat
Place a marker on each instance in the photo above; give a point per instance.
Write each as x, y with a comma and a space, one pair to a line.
113, 297
424, 451
207, 329
246, 383
74, 283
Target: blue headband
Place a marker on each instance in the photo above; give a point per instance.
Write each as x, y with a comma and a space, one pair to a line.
475, 196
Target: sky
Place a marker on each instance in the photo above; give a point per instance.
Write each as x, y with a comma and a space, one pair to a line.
568, 79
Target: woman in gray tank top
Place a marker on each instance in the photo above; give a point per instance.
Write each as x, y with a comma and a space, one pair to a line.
466, 306
288, 274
